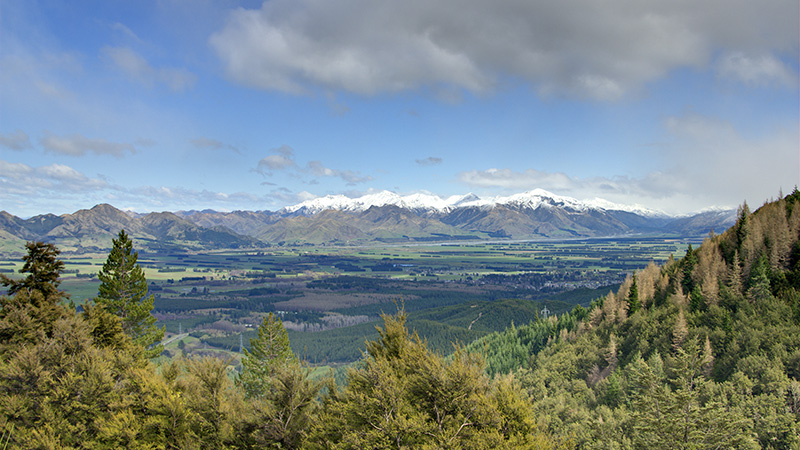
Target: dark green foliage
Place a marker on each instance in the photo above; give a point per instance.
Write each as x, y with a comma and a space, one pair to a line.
268, 352
683, 414
511, 349
403, 396
285, 414
29, 313
43, 268
687, 265
123, 291
633, 297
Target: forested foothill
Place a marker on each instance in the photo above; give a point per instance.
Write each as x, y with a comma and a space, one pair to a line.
701, 352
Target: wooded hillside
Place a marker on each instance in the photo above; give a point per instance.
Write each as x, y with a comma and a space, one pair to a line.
703, 352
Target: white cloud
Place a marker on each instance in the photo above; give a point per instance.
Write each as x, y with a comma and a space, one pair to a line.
137, 68
78, 145
317, 169
280, 159
21, 180
583, 48
283, 158
707, 163
27, 190
759, 70
18, 140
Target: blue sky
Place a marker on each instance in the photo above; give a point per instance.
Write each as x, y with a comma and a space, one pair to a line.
169, 105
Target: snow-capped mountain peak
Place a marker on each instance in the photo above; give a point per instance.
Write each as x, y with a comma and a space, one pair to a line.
427, 202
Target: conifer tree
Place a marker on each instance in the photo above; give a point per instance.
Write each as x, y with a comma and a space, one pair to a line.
633, 297
43, 268
33, 305
269, 351
402, 395
735, 274
123, 292
688, 264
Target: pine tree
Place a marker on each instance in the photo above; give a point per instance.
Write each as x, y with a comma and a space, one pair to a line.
402, 395
283, 417
44, 268
123, 292
682, 418
688, 264
268, 352
633, 297
33, 305
735, 274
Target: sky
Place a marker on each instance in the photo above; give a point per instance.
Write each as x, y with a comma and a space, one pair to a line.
167, 105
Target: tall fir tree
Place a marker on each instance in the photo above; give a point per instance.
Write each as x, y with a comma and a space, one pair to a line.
34, 303
43, 268
123, 291
634, 304
268, 352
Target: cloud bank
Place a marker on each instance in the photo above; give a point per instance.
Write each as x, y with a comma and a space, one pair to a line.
583, 48
690, 176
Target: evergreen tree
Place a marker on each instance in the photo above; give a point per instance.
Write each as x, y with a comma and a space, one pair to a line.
284, 415
268, 352
44, 268
123, 292
633, 297
680, 418
28, 313
735, 274
404, 396
759, 281
688, 264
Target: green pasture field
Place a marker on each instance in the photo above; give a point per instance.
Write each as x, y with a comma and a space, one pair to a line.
331, 297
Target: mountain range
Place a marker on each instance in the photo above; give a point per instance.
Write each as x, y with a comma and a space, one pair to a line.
379, 217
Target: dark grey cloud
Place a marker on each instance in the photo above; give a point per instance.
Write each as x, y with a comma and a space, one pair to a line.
582, 48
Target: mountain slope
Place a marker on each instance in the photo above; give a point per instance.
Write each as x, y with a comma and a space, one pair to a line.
703, 352
247, 223
95, 228
383, 216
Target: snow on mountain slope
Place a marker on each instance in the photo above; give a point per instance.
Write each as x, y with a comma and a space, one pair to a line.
432, 203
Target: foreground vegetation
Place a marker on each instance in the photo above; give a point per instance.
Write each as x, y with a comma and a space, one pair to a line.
73, 380
698, 353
